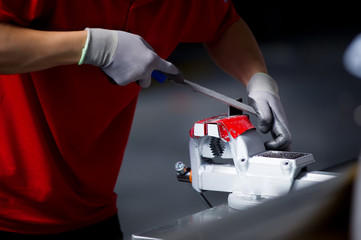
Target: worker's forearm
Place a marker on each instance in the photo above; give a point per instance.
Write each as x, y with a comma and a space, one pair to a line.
237, 52
26, 50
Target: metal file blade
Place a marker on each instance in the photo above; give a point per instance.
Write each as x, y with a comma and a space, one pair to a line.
218, 96
178, 78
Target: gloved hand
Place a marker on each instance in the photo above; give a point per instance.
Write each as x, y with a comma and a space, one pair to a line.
123, 56
263, 96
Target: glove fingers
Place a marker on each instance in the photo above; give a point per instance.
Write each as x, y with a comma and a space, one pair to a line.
282, 136
166, 67
263, 92
162, 66
145, 81
264, 114
278, 110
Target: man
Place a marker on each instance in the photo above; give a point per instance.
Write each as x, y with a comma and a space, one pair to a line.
64, 126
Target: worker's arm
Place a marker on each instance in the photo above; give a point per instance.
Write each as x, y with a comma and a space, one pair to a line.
123, 56
238, 54
27, 50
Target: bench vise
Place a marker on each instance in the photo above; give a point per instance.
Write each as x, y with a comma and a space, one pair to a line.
228, 155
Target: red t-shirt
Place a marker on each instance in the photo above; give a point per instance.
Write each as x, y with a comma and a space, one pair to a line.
63, 131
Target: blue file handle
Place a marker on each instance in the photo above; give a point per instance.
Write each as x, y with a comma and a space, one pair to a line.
160, 77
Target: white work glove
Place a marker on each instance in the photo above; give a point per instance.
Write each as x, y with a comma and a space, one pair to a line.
123, 56
263, 97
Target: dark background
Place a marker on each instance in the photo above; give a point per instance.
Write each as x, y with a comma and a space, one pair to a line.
273, 20
303, 45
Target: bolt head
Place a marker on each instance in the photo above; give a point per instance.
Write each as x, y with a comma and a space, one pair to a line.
180, 167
